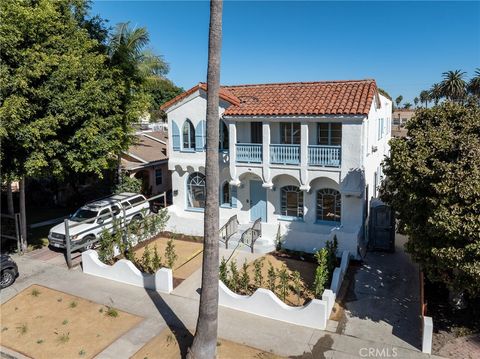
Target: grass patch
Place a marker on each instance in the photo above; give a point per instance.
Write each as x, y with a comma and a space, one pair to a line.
35, 292
73, 304
40, 341
65, 322
22, 328
63, 338
82, 352
111, 312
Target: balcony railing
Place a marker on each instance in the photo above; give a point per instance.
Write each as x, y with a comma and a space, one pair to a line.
249, 152
285, 154
328, 156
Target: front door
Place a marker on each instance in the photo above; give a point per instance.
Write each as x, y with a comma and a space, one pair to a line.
382, 228
258, 201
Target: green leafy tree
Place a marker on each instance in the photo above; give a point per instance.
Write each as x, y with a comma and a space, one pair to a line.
234, 279
161, 90
156, 260
61, 103
434, 186
128, 184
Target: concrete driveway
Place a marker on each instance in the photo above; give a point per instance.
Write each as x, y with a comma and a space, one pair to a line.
382, 302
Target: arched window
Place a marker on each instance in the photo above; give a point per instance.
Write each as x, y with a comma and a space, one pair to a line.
329, 205
223, 138
188, 132
196, 190
292, 201
226, 195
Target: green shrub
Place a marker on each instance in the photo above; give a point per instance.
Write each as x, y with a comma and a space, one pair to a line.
234, 276
284, 279
223, 271
331, 247
128, 184
271, 277
321, 272
297, 284
245, 278
146, 260
105, 247
170, 254
257, 274
156, 260
111, 312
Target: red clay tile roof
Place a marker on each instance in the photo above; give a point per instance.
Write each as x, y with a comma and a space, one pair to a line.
296, 98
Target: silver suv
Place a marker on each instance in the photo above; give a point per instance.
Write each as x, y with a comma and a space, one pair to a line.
88, 222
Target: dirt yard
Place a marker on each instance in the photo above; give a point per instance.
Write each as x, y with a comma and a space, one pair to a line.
305, 268
44, 323
189, 255
174, 345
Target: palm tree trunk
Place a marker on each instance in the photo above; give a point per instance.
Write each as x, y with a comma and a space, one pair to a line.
205, 341
11, 209
23, 213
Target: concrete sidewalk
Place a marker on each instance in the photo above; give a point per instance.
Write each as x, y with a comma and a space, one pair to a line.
161, 310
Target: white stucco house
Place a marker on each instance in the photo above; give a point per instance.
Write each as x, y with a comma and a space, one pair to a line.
304, 157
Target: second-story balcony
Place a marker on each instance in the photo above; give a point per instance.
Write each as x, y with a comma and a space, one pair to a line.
249, 152
328, 156
285, 154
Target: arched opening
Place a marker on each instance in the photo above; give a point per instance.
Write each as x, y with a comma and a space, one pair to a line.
196, 190
329, 205
291, 202
188, 132
226, 196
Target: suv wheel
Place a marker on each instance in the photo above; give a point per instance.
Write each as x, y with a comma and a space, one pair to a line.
89, 245
7, 277
136, 218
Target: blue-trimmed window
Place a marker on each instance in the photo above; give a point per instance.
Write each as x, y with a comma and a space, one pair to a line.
291, 202
188, 136
329, 205
196, 193
329, 134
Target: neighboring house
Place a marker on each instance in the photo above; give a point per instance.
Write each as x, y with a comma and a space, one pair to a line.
147, 160
400, 117
303, 157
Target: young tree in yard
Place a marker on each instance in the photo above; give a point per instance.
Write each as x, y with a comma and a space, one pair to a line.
434, 186
205, 340
60, 103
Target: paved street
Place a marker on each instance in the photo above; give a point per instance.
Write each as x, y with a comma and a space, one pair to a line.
160, 311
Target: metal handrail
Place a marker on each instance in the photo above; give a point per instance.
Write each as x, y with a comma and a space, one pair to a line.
252, 234
228, 230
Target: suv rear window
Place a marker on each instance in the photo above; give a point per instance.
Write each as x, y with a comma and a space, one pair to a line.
136, 200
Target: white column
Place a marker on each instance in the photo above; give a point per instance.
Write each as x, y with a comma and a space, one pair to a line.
267, 183
232, 150
304, 186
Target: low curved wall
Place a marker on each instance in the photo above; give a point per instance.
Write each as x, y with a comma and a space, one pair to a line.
125, 271
266, 304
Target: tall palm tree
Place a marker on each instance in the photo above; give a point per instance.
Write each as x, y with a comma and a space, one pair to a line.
128, 54
415, 101
454, 87
398, 100
435, 93
424, 97
205, 340
407, 105
474, 84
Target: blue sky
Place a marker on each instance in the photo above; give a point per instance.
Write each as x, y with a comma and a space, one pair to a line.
405, 46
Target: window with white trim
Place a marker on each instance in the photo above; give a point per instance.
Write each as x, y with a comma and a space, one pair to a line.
196, 190
290, 133
329, 205
226, 197
292, 202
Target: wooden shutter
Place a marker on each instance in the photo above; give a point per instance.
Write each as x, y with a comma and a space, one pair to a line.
175, 136
233, 196
200, 136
